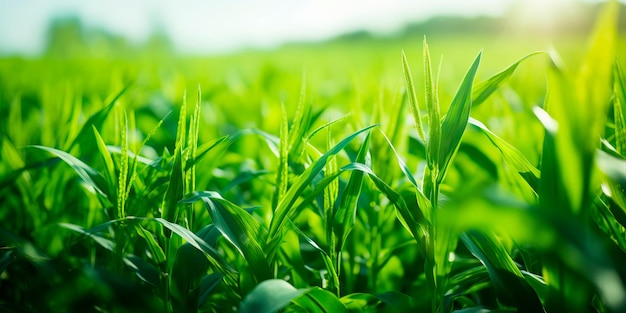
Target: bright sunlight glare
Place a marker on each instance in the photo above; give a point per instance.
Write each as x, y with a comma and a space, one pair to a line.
214, 26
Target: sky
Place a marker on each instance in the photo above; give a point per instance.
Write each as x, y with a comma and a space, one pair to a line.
227, 25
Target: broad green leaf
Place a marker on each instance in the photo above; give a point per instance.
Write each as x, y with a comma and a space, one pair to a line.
207, 285
484, 89
190, 265
361, 302
211, 253
346, 211
206, 148
144, 270
412, 221
579, 104
93, 234
245, 176
612, 167
538, 284
155, 249
269, 296
455, 120
175, 189
512, 156
328, 262
239, 228
479, 309
291, 254
106, 159
397, 302
88, 175
511, 287
319, 300
423, 202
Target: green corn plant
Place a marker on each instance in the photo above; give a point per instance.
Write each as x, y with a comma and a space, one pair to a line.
444, 138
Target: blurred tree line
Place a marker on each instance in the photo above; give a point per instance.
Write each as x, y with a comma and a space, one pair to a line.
68, 37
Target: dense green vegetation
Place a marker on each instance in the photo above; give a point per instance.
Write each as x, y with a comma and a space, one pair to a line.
342, 177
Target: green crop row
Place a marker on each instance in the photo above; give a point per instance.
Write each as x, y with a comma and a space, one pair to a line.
265, 195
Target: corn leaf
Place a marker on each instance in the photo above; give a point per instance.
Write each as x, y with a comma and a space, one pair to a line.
269, 296
285, 205
107, 160
239, 228
83, 139
319, 300
87, 174
511, 155
155, 249
210, 252
511, 287
175, 189
190, 265
344, 218
144, 270
455, 121
484, 89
